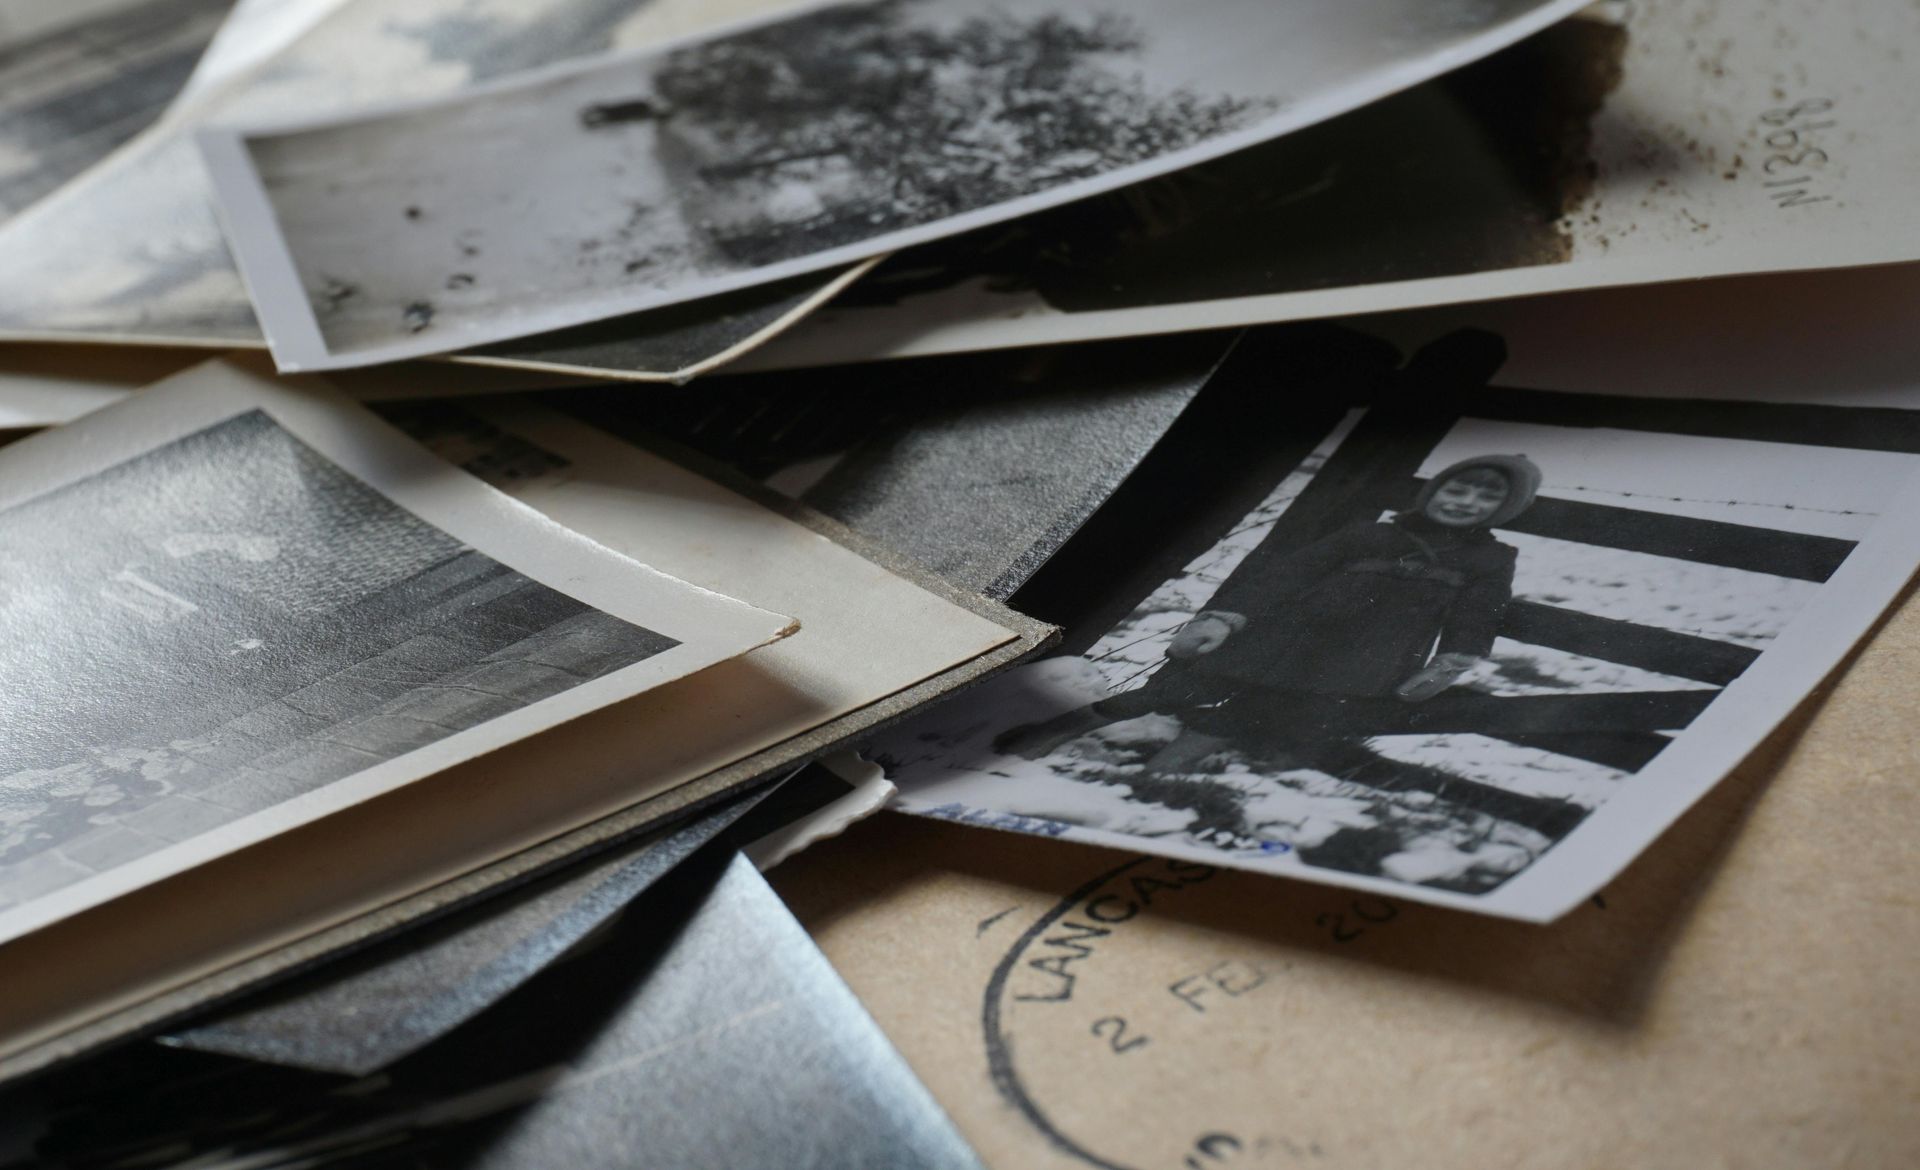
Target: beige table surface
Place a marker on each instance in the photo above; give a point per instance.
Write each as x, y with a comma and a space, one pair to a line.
1745, 995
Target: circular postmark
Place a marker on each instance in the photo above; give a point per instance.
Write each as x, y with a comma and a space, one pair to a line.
1128, 1048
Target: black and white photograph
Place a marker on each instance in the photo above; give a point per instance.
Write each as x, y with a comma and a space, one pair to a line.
780, 147
71, 92
254, 605
1457, 190
131, 251
1466, 644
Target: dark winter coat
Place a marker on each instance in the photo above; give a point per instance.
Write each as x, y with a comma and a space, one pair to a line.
1358, 611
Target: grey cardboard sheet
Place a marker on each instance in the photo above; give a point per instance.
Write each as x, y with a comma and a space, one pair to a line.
702, 1029
409, 991
412, 989
977, 467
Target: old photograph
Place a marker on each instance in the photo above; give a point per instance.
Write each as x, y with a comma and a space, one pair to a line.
228, 631
783, 146
131, 251
70, 94
1455, 190
1470, 644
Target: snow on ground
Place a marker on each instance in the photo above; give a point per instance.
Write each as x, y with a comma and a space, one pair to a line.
1528, 771
1520, 668
1732, 605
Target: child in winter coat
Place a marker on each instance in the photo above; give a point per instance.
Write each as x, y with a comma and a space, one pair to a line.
1298, 643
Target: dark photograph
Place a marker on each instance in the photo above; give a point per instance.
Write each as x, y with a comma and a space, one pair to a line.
977, 467
1448, 177
1421, 637
230, 621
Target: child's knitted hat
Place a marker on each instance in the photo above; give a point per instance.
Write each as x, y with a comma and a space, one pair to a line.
1521, 473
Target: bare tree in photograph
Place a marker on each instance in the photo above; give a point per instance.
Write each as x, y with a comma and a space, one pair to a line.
863, 116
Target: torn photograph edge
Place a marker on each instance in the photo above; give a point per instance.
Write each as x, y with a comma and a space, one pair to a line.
707, 627
293, 331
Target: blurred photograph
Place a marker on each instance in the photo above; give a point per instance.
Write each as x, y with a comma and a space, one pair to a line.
131, 252
73, 90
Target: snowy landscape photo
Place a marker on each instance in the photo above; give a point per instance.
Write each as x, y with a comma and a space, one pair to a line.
244, 647
1438, 648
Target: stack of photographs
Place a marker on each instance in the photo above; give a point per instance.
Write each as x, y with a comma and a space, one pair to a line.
486, 478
